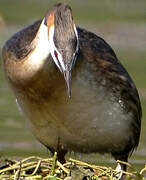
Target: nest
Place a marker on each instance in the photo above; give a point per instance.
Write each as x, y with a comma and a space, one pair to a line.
37, 168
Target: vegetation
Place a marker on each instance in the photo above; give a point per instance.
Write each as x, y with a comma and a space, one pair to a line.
37, 168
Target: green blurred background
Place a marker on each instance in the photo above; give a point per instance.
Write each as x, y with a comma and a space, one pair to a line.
122, 23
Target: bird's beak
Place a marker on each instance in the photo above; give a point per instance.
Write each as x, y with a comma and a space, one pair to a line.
67, 77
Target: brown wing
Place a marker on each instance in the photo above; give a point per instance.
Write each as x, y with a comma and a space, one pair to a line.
110, 73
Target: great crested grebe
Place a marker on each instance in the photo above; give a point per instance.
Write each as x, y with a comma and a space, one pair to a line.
99, 112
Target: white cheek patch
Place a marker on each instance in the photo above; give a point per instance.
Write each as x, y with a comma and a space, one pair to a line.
53, 48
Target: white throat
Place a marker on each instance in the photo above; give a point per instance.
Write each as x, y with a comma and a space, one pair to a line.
41, 51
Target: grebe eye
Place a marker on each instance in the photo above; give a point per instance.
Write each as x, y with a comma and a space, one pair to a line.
56, 54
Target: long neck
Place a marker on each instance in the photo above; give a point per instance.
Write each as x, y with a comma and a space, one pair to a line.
22, 70
41, 50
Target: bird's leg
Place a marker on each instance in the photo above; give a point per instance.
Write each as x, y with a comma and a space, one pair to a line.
61, 152
61, 156
119, 171
121, 166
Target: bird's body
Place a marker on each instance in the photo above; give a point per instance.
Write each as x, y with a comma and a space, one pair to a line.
103, 114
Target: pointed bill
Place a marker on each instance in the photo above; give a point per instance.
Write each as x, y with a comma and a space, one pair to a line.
67, 77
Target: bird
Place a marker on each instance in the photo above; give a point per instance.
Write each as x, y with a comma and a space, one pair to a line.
70, 85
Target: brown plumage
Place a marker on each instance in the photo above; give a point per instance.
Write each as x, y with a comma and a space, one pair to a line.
104, 112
